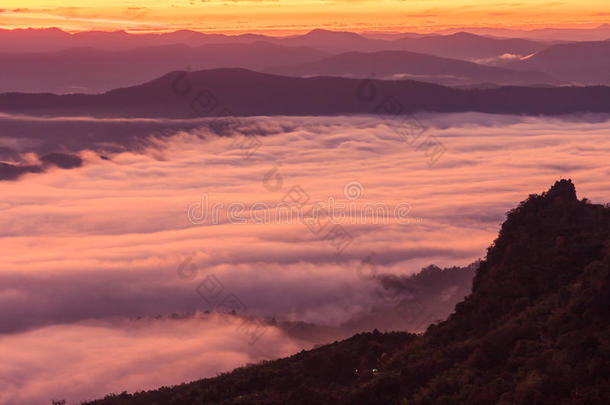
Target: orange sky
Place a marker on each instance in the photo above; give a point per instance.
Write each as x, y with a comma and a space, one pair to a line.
292, 16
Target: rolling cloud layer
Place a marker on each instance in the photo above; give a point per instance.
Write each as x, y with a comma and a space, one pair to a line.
89, 249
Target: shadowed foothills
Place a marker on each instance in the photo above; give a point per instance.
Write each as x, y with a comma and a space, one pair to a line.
248, 93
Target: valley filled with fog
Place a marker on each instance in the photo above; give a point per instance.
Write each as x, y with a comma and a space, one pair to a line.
114, 267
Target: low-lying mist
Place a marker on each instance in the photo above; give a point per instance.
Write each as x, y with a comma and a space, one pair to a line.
160, 258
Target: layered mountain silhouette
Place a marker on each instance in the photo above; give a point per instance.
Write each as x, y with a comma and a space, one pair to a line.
578, 62
238, 92
410, 65
458, 45
464, 45
54, 39
600, 32
534, 330
51, 60
92, 70
335, 41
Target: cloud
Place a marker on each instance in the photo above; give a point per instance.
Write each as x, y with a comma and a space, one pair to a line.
91, 359
103, 242
12, 172
509, 56
63, 160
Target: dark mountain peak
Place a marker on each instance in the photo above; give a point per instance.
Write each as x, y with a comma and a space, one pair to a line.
322, 33
545, 206
50, 29
544, 245
102, 34
563, 189
318, 31
184, 31
34, 32
464, 34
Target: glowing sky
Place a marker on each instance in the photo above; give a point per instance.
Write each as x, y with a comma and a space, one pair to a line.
289, 16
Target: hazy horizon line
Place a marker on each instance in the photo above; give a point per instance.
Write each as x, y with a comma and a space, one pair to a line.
448, 30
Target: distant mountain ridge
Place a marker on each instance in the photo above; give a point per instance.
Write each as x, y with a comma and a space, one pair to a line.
240, 92
579, 62
411, 65
459, 45
467, 46
54, 61
92, 70
541, 34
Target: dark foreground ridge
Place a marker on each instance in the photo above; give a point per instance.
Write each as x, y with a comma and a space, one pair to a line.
535, 330
240, 92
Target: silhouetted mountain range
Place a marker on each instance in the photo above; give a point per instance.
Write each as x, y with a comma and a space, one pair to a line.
239, 92
91, 70
540, 34
464, 45
459, 45
534, 330
54, 61
579, 62
54, 39
410, 65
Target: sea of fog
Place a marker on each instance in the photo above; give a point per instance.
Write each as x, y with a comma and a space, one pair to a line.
96, 259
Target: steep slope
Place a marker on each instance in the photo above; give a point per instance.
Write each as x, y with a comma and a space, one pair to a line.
535, 330
410, 65
240, 92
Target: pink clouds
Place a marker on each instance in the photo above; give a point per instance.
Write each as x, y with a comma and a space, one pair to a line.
104, 241
91, 359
